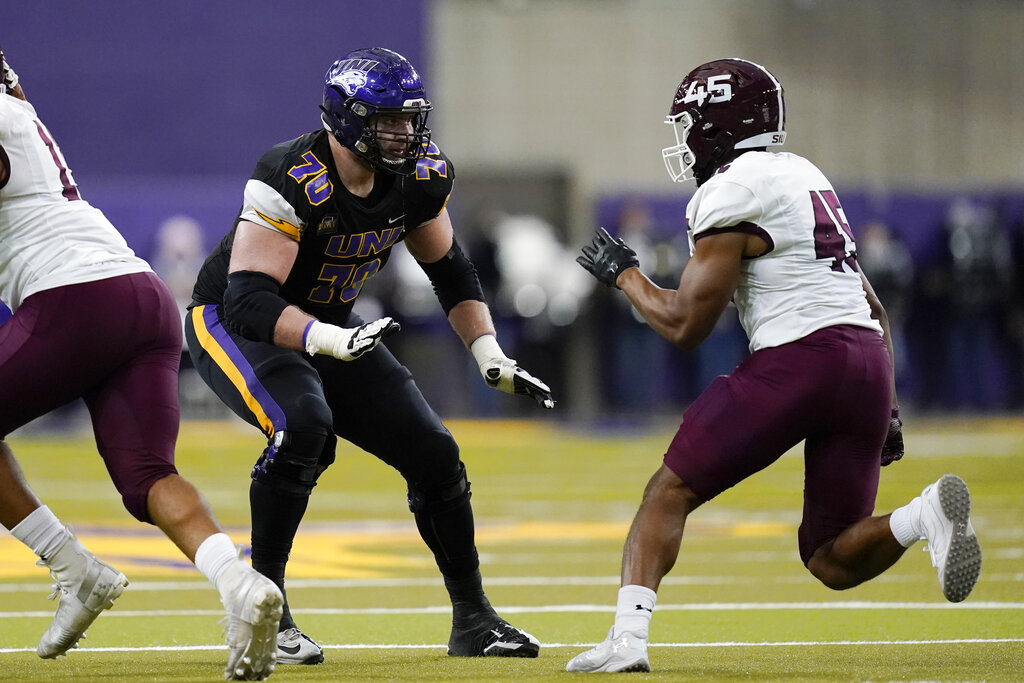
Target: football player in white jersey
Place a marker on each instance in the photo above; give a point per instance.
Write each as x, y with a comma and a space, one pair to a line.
768, 233
92, 320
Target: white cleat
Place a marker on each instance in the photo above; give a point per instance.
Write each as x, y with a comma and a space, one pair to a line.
624, 654
295, 647
952, 544
86, 587
254, 605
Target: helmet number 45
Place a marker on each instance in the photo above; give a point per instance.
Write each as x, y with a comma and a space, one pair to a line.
717, 89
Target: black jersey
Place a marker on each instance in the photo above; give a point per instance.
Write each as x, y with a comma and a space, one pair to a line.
343, 239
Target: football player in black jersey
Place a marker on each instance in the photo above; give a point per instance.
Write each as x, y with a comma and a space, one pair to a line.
271, 330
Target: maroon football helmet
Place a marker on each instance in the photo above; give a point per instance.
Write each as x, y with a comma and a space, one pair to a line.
720, 109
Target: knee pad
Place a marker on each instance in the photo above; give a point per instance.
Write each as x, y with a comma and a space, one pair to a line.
445, 496
293, 461
326, 454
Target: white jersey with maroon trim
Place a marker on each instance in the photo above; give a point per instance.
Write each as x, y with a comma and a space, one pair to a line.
809, 278
49, 237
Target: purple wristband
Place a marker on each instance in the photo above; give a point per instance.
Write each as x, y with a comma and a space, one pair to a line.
305, 332
895, 413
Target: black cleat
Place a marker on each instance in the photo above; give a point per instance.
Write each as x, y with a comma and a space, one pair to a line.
493, 638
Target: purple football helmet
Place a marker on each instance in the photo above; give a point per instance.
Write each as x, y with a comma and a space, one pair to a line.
369, 82
720, 109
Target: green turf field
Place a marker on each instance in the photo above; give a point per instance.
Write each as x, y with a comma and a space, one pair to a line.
553, 505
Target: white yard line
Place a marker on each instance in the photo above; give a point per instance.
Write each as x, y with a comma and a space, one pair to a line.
412, 646
550, 609
542, 581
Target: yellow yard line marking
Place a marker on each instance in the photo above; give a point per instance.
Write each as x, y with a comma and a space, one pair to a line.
339, 551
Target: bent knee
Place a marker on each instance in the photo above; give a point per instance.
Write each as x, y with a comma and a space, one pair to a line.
831, 574
135, 494
293, 461
838, 581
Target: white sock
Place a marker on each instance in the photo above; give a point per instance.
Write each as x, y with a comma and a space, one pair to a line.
41, 531
214, 555
905, 523
633, 611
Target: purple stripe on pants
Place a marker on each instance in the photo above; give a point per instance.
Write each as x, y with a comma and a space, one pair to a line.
266, 402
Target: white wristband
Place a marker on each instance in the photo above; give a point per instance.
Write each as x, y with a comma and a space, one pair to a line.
321, 337
486, 348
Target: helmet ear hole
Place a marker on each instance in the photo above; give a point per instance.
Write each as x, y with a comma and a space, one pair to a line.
723, 144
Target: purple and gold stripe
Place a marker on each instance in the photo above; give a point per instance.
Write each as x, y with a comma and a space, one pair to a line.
216, 341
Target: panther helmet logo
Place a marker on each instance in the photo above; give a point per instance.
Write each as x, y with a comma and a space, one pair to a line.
350, 81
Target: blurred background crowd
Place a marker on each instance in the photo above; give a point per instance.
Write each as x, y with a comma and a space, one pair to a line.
551, 112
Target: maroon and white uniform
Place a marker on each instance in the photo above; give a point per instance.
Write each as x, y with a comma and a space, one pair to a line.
90, 320
808, 278
819, 369
50, 238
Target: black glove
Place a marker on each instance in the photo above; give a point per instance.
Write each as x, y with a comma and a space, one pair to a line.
892, 449
606, 258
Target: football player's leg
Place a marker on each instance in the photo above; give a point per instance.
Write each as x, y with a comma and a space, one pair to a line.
650, 552
41, 367
139, 452
278, 392
739, 425
84, 585
391, 419
841, 544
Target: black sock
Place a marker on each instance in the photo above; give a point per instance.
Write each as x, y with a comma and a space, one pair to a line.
275, 519
469, 603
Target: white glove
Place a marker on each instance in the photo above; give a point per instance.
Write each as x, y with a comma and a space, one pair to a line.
346, 343
10, 79
502, 373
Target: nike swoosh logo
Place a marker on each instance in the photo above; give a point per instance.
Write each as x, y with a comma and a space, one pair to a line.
288, 650
392, 221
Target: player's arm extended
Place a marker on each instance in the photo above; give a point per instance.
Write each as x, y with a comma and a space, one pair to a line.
9, 82
879, 314
261, 260
687, 315
430, 244
892, 449
457, 287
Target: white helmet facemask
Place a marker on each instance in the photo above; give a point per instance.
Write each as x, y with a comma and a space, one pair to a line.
679, 158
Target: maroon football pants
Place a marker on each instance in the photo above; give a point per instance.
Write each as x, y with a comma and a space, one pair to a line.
831, 390
117, 344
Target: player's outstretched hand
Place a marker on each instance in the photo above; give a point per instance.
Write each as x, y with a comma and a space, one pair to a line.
504, 374
9, 79
348, 343
605, 258
366, 337
892, 449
